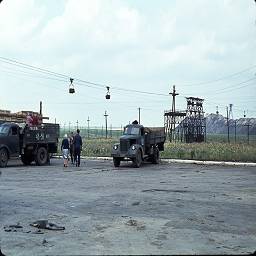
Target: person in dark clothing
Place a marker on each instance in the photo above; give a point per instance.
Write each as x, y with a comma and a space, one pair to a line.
65, 149
71, 145
77, 147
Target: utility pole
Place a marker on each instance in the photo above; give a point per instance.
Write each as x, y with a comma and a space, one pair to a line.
106, 121
41, 109
228, 123
248, 132
69, 126
174, 94
55, 120
88, 120
231, 111
139, 114
235, 131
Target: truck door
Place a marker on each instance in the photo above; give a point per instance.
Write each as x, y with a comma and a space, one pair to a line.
13, 141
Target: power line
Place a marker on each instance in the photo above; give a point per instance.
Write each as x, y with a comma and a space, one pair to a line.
27, 66
63, 78
221, 78
46, 71
24, 73
231, 88
101, 86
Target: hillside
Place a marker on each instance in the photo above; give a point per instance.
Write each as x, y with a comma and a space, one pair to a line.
218, 124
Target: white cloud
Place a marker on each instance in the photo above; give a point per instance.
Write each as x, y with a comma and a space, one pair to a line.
17, 25
116, 42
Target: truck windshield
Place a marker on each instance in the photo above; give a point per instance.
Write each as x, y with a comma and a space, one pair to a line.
130, 130
4, 130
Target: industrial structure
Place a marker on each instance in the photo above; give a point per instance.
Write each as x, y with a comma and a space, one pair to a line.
188, 125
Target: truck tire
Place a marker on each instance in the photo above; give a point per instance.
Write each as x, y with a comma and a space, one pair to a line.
41, 156
3, 157
27, 159
137, 160
116, 161
155, 157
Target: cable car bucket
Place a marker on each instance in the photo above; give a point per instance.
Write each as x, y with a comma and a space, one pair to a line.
71, 86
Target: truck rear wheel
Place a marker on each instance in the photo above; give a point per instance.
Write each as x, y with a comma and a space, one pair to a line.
27, 159
116, 161
42, 156
155, 157
137, 160
3, 157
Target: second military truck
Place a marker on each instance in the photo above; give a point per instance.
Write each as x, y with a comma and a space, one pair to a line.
139, 143
34, 143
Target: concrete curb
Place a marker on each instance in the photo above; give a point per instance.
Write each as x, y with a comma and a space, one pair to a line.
180, 161
208, 162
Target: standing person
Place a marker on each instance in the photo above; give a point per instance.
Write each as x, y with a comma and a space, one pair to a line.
77, 147
65, 149
29, 120
71, 147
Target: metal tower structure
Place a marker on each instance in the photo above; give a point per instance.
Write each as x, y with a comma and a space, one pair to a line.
185, 126
194, 124
173, 120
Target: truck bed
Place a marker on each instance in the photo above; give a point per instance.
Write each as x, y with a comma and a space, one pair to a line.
44, 133
155, 135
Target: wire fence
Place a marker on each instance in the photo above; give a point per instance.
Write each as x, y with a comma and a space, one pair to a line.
100, 132
93, 132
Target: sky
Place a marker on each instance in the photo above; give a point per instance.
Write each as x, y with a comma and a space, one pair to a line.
139, 48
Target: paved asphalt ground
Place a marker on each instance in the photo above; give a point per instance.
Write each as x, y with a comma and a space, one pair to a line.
156, 209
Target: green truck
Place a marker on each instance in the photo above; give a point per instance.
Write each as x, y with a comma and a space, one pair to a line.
35, 143
139, 143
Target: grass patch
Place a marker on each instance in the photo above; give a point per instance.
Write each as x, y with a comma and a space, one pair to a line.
211, 151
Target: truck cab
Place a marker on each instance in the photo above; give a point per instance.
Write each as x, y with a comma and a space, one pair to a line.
133, 134
138, 143
10, 138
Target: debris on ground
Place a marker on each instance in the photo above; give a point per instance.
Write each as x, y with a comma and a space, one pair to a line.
136, 224
12, 228
44, 224
135, 203
105, 170
39, 231
44, 242
132, 222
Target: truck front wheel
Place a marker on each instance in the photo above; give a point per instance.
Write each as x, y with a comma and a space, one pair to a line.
41, 156
116, 161
3, 157
137, 160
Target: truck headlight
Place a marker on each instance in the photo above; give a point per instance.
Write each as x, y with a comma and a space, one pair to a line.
115, 147
133, 147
